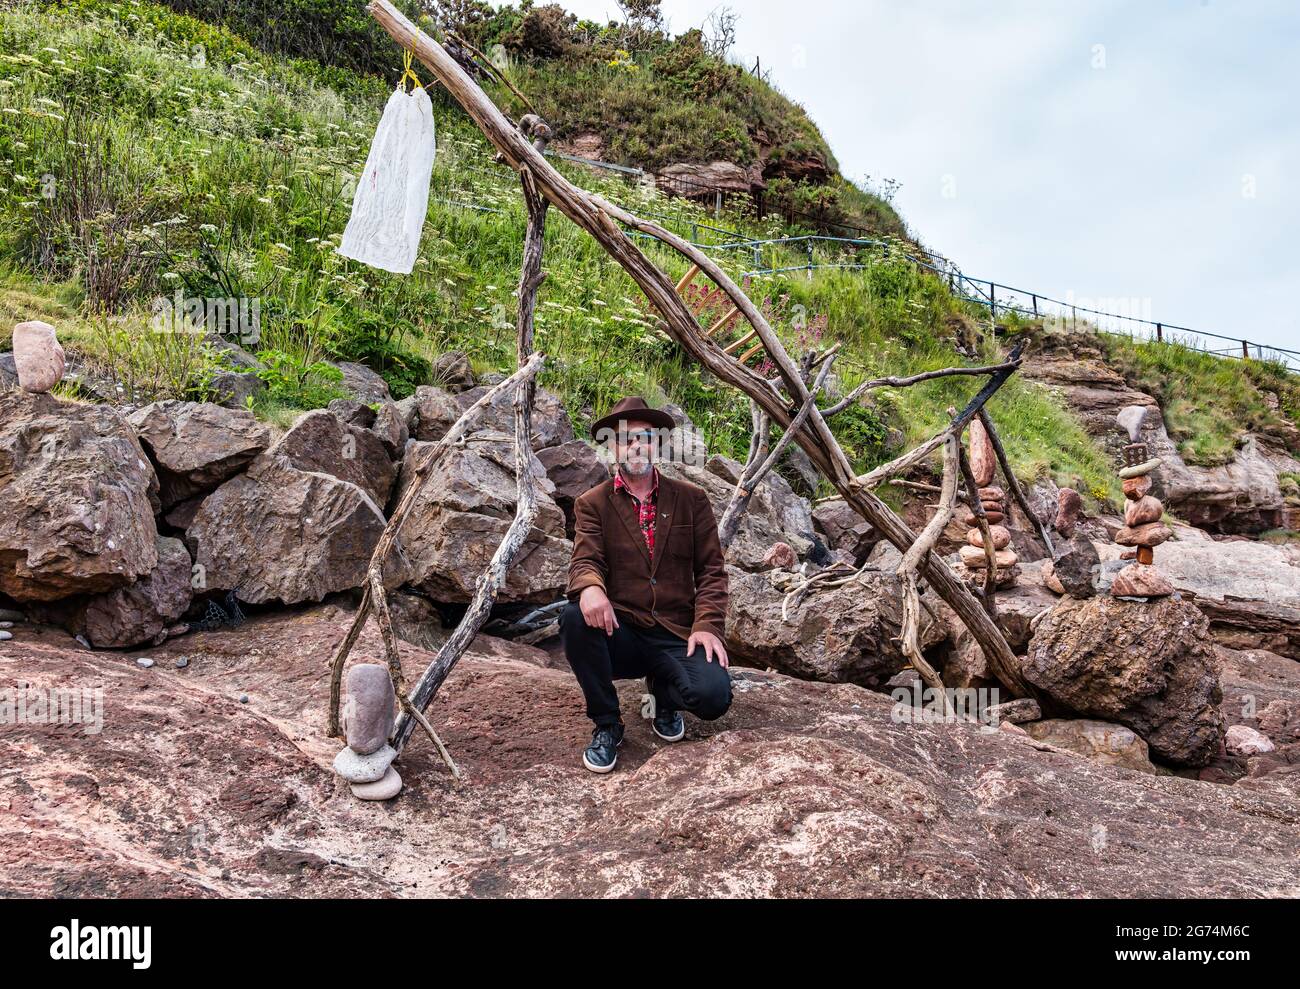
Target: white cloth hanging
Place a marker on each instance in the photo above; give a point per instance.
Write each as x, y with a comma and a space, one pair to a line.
392, 195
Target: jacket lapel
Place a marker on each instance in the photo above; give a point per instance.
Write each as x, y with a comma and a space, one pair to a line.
625, 509
664, 519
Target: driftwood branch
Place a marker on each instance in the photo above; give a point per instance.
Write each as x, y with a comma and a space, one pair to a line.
955, 427
1017, 492
488, 64
526, 482
601, 220
893, 382
388, 539
907, 568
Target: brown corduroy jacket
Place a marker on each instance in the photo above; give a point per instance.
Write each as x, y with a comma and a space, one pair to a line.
684, 588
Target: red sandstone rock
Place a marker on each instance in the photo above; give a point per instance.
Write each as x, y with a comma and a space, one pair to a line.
1001, 537
1137, 487
1143, 510
1068, 506
1140, 581
983, 460
1150, 534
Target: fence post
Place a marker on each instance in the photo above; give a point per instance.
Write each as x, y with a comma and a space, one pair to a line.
1035, 307
993, 302
1160, 333
717, 204
1245, 350
810, 260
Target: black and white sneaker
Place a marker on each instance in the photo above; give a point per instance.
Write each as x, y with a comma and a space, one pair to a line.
669, 725
602, 754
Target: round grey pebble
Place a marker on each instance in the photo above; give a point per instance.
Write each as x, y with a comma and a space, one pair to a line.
385, 788
6, 624
182, 662
243, 698
364, 768
5, 636
144, 661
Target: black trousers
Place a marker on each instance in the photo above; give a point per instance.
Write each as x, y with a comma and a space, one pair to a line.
679, 682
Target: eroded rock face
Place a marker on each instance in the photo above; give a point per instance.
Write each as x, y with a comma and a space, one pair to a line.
1148, 665
801, 789
845, 634
77, 498
320, 441
1241, 496
550, 421
196, 446
363, 384
843, 528
141, 612
460, 516
276, 533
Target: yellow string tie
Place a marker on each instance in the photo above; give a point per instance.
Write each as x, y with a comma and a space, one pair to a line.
408, 72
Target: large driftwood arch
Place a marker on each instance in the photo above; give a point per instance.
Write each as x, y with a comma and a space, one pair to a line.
795, 411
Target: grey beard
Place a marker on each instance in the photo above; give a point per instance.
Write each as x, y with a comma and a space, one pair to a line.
640, 469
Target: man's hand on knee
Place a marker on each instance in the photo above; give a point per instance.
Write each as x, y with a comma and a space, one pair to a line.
711, 645
596, 609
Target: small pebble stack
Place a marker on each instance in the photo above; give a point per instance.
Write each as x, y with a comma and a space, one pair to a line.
368, 718
983, 462
1143, 531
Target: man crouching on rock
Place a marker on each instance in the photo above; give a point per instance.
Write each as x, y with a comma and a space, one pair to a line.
647, 589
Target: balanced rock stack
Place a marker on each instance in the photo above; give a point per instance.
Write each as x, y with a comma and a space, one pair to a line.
368, 719
983, 461
1143, 531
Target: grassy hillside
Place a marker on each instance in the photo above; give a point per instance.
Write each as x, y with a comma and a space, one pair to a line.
186, 158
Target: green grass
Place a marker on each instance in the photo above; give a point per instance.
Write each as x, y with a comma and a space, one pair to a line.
1209, 403
226, 176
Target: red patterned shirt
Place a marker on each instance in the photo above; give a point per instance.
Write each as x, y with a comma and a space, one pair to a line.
645, 510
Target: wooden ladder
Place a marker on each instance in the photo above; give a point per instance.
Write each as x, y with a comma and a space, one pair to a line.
722, 328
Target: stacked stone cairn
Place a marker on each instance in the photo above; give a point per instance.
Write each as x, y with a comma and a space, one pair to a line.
368, 718
1143, 531
983, 463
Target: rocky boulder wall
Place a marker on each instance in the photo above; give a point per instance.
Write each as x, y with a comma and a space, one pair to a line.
276, 533
77, 499
462, 513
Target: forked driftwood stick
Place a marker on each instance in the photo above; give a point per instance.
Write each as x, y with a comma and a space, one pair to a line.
907, 461
915, 379
601, 220
1016, 491
388, 538
758, 466
526, 483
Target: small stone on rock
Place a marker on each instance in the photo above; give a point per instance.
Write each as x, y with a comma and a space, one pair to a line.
182, 662
1143, 510
781, 556
1140, 581
5, 636
144, 661
1149, 534
1137, 487
1246, 741
385, 788
364, 768
1068, 506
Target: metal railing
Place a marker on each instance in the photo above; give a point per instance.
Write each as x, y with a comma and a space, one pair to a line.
988, 293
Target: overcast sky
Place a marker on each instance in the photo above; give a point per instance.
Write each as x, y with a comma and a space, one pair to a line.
1139, 153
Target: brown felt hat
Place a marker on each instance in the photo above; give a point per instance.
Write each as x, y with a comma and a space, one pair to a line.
632, 407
